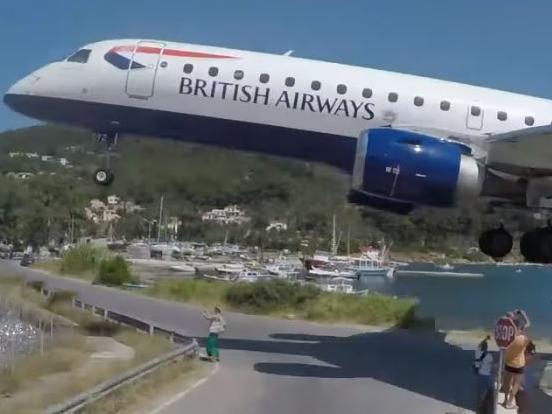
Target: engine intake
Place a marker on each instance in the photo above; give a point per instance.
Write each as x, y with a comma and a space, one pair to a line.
414, 168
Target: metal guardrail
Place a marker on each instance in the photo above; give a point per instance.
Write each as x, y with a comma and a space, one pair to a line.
189, 348
105, 388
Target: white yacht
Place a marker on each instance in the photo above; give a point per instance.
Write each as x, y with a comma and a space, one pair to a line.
339, 285
248, 276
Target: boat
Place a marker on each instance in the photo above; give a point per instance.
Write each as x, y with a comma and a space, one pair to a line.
248, 276
338, 285
281, 270
332, 272
182, 268
221, 278
230, 268
446, 266
364, 266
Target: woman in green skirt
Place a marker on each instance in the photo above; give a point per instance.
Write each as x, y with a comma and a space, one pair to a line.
217, 325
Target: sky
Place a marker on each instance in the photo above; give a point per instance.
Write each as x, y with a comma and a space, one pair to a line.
500, 44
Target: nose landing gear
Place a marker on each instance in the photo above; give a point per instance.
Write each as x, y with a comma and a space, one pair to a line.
104, 176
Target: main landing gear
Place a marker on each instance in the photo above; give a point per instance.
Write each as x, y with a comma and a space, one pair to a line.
534, 245
104, 176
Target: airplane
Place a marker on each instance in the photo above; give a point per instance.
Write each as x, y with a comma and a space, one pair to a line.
407, 141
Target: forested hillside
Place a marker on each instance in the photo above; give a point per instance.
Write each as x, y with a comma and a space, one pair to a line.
194, 179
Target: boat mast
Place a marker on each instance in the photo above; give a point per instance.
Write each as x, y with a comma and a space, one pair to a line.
334, 244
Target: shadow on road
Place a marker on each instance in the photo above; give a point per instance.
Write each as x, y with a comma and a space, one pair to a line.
418, 362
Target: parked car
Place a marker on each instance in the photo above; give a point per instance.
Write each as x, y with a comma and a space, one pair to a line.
27, 260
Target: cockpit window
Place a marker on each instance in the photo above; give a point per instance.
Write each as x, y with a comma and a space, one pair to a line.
120, 61
80, 57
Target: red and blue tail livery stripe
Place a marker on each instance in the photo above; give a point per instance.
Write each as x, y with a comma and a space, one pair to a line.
117, 59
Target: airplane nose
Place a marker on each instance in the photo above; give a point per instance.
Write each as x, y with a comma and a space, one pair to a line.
16, 96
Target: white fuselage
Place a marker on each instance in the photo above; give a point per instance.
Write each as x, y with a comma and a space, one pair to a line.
305, 108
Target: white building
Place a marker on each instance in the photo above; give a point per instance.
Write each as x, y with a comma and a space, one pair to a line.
113, 200
113, 210
227, 215
277, 226
64, 162
20, 175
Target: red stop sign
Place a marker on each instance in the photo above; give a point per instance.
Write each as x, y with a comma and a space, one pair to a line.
505, 332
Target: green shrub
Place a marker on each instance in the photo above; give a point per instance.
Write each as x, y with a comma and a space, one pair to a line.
100, 328
81, 258
373, 309
36, 285
114, 272
269, 296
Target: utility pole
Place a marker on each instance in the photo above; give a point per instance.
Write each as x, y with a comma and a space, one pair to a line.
160, 219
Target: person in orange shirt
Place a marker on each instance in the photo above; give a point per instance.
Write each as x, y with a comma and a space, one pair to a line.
515, 361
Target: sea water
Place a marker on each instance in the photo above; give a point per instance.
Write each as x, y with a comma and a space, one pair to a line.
476, 303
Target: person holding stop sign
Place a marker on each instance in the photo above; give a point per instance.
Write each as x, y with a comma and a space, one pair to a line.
514, 367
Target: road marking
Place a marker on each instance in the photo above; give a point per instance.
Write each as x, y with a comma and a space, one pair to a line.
185, 392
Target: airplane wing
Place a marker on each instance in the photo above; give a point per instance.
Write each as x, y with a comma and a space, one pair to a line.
528, 149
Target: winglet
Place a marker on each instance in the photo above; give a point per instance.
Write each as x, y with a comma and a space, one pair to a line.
289, 52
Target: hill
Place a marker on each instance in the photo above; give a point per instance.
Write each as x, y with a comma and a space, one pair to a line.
196, 178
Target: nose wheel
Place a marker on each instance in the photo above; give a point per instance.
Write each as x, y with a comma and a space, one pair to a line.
104, 176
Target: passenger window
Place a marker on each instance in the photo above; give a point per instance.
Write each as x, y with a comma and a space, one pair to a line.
315, 85
529, 120
80, 56
290, 81
341, 89
188, 68
445, 105
393, 97
418, 101
264, 78
502, 116
367, 93
213, 71
238, 74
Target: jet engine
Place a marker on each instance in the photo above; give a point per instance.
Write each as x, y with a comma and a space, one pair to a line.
411, 168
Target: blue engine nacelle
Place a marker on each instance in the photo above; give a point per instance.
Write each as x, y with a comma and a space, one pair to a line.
408, 167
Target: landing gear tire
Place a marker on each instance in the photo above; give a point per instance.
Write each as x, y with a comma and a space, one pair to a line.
103, 176
496, 243
536, 245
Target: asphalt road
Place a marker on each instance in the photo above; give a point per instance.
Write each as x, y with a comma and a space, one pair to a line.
280, 366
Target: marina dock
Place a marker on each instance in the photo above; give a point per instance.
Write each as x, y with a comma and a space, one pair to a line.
399, 273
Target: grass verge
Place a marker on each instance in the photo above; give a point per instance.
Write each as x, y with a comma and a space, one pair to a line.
279, 298
54, 266
42, 379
